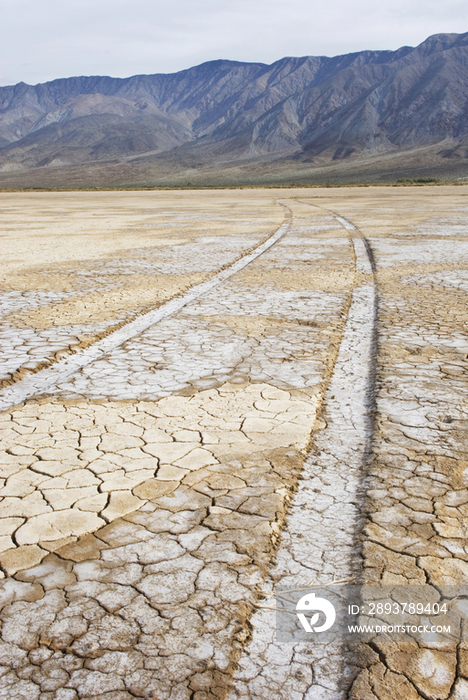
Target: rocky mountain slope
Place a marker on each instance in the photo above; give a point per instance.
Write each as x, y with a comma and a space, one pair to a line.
309, 110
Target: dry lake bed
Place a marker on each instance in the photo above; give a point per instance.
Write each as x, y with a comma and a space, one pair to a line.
208, 397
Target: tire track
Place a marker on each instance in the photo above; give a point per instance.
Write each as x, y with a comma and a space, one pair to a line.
321, 541
42, 380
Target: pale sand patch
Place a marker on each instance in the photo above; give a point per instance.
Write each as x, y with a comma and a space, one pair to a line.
62, 227
135, 292
338, 278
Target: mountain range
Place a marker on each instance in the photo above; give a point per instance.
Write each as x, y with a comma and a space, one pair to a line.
366, 115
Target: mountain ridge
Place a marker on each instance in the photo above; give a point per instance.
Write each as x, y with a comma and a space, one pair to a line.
309, 110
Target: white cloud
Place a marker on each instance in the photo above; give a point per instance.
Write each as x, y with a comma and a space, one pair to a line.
45, 39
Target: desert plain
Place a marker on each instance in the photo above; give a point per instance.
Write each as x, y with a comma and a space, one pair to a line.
208, 394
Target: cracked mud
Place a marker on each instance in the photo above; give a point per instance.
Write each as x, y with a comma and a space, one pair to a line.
301, 418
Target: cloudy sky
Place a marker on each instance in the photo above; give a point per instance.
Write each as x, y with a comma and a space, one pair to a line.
45, 39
